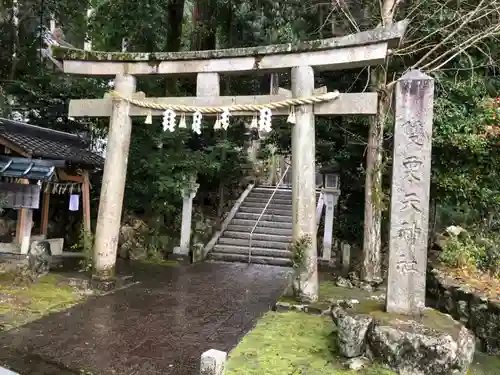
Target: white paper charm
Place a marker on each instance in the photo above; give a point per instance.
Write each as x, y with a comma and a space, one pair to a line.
149, 118
224, 120
217, 125
265, 119
169, 120
254, 124
197, 116
291, 116
182, 121
74, 202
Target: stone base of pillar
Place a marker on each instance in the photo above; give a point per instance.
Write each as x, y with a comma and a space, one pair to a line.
102, 285
178, 250
180, 255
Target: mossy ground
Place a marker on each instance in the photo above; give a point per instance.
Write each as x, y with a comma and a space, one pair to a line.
21, 303
285, 351
291, 343
485, 365
161, 262
328, 292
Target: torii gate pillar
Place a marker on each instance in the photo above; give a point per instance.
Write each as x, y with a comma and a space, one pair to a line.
113, 182
304, 184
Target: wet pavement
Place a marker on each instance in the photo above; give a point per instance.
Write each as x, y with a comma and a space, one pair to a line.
159, 326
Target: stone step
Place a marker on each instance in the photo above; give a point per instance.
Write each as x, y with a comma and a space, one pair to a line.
266, 217
271, 188
269, 193
275, 200
258, 237
254, 259
262, 224
260, 229
258, 210
270, 206
256, 251
243, 242
281, 189
265, 195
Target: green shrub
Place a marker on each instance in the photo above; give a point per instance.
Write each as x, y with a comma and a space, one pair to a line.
490, 259
461, 251
480, 250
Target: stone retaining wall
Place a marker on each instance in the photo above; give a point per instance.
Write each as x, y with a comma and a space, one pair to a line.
480, 314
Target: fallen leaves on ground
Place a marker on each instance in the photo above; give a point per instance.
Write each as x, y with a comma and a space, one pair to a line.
481, 282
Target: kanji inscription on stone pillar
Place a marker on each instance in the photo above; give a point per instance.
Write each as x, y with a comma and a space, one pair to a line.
411, 178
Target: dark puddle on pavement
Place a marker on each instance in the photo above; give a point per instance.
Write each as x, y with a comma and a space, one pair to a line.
159, 326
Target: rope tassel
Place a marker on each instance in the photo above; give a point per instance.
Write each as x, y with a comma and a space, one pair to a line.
149, 118
291, 117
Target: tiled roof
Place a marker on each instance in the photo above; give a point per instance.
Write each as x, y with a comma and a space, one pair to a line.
32, 169
46, 143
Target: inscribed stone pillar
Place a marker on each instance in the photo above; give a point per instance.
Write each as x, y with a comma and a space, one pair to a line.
113, 181
331, 199
411, 176
187, 213
303, 186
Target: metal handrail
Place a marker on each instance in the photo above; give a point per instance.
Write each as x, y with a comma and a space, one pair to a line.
262, 214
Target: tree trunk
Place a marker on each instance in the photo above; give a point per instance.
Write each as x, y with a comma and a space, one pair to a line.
175, 20
205, 35
15, 37
371, 271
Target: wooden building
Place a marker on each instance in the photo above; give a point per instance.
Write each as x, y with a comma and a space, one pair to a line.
36, 162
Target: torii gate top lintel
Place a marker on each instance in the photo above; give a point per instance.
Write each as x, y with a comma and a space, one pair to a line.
350, 51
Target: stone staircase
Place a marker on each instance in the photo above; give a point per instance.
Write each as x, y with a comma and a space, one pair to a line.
272, 236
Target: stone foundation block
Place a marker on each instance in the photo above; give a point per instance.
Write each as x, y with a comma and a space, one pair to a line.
213, 362
433, 344
352, 330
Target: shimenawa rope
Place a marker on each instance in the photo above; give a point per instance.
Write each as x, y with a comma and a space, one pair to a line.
232, 108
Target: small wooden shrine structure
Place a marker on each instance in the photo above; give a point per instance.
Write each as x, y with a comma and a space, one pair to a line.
36, 162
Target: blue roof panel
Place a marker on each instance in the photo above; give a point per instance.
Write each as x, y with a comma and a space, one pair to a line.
32, 169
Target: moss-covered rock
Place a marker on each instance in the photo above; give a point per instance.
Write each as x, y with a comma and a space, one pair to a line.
430, 344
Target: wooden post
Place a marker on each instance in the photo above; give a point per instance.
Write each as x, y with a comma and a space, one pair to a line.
113, 182
25, 229
45, 213
86, 202
22, 217
24, 226
303, 187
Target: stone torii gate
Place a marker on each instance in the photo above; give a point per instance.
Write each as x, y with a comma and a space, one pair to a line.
351, 51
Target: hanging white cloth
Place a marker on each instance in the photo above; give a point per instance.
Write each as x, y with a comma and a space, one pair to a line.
74, 202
